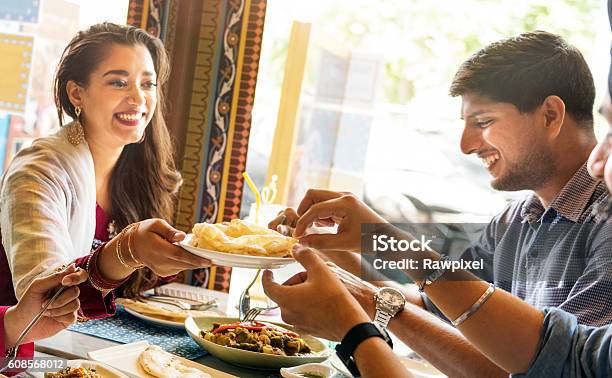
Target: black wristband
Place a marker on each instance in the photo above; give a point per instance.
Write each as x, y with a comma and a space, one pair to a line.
353, 338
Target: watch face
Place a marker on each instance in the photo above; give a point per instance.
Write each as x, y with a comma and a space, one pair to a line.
391, 297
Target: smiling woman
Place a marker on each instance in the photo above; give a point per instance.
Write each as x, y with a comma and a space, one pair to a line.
110, 169
124, 90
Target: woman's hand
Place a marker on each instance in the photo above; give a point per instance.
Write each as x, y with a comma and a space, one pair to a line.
315, 301
325, 207
59, 315
153, 246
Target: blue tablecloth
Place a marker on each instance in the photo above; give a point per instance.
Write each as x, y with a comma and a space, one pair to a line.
125, 328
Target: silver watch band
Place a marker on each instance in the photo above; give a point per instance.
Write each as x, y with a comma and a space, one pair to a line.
382, 318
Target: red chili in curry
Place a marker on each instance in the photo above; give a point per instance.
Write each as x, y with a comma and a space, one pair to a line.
253, 326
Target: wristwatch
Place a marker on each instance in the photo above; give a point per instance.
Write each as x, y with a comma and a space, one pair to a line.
389, 302
356, 336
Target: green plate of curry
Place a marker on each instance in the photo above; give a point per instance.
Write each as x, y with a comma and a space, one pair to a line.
238, 354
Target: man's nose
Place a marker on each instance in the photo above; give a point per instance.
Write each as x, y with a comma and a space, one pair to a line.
471, 139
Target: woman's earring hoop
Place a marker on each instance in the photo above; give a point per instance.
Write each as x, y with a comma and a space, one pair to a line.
76, 134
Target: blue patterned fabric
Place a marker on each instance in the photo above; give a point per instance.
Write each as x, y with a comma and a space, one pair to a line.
124, 328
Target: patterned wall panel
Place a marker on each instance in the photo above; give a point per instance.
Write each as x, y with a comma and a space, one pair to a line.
198, 125
222, 123
136, 11
222, 95
251, 38
170, 28
222, 127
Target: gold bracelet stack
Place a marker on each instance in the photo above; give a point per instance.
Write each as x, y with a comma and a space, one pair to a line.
119, 250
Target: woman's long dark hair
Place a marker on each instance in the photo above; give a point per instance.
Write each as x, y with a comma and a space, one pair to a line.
144, 182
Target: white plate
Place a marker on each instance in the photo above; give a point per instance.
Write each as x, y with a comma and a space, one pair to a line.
155, 321
125, 358
235, 260
180, 325
104, 370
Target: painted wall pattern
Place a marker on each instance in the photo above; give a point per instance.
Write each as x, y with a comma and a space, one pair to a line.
218, 127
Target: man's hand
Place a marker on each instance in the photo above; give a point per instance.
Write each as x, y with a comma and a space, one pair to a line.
284, 222
59, 315
315, 301
327, 208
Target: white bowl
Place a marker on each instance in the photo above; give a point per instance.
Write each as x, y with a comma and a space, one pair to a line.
325, 371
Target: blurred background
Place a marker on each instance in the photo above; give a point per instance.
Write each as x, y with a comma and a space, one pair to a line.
392, 134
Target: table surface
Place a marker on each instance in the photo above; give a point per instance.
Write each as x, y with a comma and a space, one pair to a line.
73, 345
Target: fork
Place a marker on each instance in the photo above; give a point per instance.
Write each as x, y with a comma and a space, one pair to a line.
244, 303
255, 311
12, 352
182, 304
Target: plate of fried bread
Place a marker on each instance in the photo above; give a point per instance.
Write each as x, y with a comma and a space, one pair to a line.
160, 314
143, 360
240, 244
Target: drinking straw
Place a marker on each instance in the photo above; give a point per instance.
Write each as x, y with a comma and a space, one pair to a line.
254, 189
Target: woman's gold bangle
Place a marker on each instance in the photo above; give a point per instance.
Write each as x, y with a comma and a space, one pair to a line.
119, 250
118, 253
130, 233
89, 275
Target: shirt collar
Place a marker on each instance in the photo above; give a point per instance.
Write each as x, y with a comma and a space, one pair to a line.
573, 201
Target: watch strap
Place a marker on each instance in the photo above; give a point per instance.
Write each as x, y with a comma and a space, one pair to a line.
351, 341
382, 318
435, 275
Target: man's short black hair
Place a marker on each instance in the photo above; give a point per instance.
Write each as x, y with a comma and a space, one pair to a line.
526, 69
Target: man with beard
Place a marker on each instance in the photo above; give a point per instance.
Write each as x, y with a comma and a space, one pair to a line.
527, 111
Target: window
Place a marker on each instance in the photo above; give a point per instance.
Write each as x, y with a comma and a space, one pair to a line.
400, 152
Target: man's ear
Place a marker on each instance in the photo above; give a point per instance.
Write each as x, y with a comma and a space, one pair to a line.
553, 110
74, 93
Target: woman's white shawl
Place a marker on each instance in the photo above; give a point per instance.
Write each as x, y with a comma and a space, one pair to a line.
47, 207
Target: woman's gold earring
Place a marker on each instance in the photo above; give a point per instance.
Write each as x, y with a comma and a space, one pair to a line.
76, 134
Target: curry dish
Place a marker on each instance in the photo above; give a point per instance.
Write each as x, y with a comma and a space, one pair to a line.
257, 337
